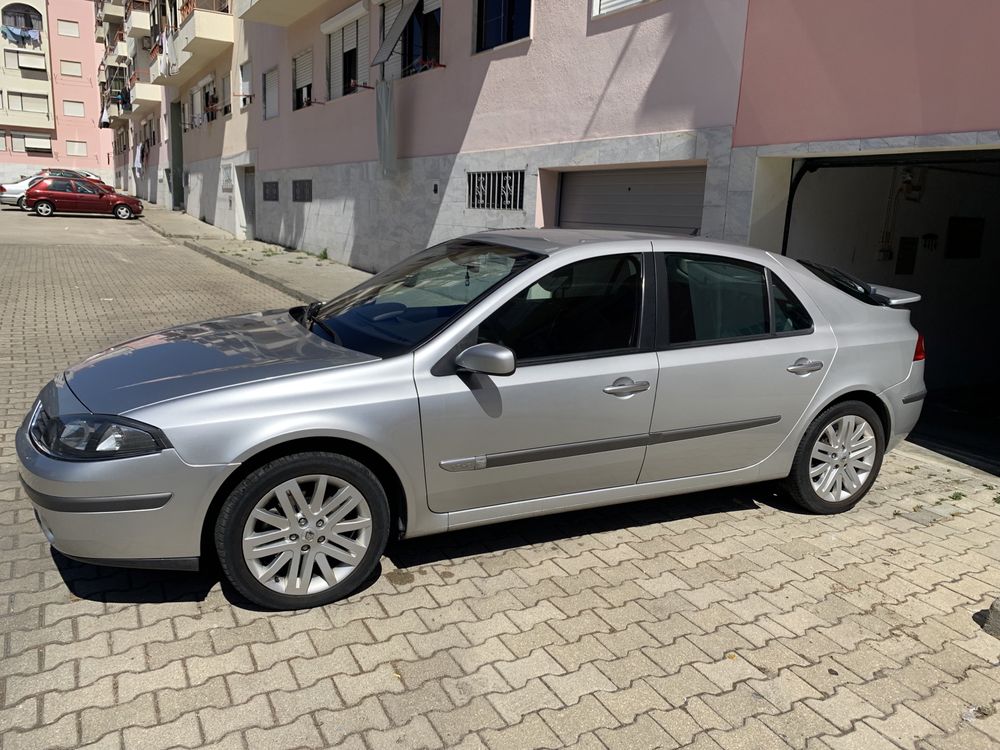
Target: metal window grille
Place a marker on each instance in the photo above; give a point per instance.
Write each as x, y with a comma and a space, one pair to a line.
270, 191
497, 191
302, 191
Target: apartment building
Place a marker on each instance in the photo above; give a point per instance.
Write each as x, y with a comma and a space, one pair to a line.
49, 97
371, 128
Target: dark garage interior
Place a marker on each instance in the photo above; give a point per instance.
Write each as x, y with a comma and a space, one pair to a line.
929, 223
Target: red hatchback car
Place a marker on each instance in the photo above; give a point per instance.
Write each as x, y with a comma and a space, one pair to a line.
64, 195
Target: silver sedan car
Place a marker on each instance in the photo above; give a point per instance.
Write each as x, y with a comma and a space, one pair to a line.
501, 375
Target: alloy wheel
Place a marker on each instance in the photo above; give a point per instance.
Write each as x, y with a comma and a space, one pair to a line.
43, 209
123, 212
307, 534
842, 458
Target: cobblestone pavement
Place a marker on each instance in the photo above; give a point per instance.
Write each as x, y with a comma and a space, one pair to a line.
719, 620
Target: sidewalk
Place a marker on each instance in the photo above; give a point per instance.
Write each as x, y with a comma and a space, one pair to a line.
299, 274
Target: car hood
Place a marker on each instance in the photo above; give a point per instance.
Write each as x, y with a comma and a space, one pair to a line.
199, 357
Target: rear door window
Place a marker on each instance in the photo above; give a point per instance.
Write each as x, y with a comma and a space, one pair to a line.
712, 299
790, 315
61, 186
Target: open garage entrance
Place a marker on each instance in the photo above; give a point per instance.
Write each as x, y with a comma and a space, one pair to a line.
929, 223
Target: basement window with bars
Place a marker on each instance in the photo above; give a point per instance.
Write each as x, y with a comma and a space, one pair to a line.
302, 73
496, 191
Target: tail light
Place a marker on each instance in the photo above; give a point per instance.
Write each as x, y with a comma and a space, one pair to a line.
3, 189
919, 354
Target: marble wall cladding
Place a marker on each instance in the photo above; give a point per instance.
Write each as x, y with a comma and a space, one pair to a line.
369, 220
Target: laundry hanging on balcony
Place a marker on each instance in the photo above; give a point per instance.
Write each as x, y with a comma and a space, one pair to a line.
137, 162
17, 35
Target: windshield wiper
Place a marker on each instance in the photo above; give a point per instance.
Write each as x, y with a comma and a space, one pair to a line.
310, 318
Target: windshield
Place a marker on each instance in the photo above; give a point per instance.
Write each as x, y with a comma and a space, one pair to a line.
405, 305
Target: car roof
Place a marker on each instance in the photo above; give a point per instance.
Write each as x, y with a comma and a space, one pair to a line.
550, 241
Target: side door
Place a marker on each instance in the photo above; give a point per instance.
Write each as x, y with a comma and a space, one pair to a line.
574, 415
740, 357
59, 193
89, 199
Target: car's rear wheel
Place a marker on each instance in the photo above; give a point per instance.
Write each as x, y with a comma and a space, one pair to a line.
303, 530
20, 203
123, 212
44, 208
838, 459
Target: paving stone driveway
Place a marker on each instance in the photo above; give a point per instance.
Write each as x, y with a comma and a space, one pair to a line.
715, 620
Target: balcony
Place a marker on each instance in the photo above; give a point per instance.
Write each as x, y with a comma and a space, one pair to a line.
206, 28
113, 10
277, 12
116, 52
101, 32
143, 94
137, 22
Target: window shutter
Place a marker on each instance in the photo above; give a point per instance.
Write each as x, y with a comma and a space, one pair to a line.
34, 103
350, 37
38, 142
271, 94
394, 65
16, 142
304, 69
10, 59
609, 6
14, 102
335, 74
31, 60
364, 56
431, 5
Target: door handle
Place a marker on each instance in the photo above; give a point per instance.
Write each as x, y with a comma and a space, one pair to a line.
804, 366
625, 387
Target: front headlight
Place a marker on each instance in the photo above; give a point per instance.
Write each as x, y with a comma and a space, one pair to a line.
94, 436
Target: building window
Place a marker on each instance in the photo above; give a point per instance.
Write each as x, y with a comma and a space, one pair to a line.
421, 43
271, 94
70, 68
603, 7
17, 142
209, 101
271, 191
246, 83
349, 58
227, 95
22, 16
10, 60
73, 109
76, 148
3, 140
302, 74
501, 21
67, 28
302, 191
18, 102
496, 191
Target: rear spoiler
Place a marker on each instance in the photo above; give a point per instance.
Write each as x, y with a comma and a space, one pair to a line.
894, 297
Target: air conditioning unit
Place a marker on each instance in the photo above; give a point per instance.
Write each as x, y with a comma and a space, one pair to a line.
147, 42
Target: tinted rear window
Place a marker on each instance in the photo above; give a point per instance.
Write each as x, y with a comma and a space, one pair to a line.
845, 282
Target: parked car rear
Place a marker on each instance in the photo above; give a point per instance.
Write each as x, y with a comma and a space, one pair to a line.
79, 196
12, 193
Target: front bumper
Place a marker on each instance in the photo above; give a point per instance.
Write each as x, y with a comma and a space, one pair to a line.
145, 511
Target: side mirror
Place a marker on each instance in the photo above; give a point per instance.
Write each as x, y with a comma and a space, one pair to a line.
489, 359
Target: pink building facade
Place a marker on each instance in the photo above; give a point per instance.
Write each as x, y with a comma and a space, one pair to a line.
51, 104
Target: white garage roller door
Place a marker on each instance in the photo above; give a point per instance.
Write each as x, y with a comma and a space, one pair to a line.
655, 200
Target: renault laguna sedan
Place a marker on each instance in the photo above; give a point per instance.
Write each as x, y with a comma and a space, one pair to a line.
501, 375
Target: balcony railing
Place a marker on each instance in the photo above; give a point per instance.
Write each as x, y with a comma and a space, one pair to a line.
139, 75
132, 5
218, 6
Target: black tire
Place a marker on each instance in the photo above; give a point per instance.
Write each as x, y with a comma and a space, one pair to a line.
236, 509
123, 212
798, 484
44, 208
20, 203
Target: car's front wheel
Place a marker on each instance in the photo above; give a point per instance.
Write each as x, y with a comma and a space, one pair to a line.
838, 459
303, 530
44, 208
123, 212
